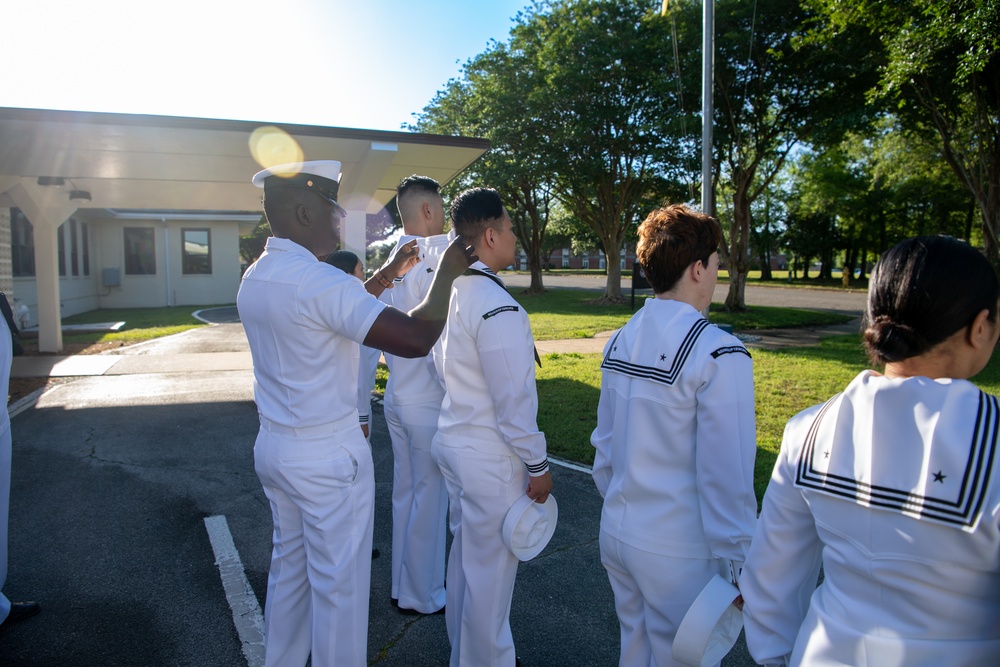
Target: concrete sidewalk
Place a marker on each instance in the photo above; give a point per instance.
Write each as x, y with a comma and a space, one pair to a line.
129, 362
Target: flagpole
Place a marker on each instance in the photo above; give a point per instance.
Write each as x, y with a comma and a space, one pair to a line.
707, 70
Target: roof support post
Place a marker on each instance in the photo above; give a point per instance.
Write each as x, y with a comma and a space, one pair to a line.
360, 185
46, 212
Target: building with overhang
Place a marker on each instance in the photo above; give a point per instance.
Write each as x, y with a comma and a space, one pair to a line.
101, 210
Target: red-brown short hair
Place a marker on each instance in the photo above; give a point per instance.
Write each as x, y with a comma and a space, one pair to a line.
671, 239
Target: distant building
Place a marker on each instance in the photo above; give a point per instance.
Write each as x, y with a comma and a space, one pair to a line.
564, 258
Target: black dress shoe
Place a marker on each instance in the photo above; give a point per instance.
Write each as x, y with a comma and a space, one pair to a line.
413, 612
22, 610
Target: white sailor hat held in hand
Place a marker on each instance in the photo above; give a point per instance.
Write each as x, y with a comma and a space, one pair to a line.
320, 176
529, 526
710, 627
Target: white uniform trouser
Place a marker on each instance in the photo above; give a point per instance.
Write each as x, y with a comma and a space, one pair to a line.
481, 570
321, 485
419, 508
653, 592
5, 461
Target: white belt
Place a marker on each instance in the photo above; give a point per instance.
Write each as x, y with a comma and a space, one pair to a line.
319, 429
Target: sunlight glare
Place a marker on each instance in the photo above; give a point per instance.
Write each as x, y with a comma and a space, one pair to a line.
271, 145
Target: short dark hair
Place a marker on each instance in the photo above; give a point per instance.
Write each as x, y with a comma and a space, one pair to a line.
922, 291
671, 239
278, 206
474, 210
417, 183
345, 260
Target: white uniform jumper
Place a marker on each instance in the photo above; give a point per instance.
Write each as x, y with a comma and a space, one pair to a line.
304, 319
893, 484
413, 398
487, 444
676, 444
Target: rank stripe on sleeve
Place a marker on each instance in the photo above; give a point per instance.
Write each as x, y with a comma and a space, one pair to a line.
730, 349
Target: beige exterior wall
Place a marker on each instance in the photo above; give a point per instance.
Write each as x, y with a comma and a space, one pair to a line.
169, 285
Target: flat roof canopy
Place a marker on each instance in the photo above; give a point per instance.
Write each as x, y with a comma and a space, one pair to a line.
129, 161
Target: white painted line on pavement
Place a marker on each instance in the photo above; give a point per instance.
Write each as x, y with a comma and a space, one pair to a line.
247, 615
571, 465
19, 406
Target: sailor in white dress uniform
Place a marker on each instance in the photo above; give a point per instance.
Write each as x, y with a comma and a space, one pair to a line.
488, 443
892, 485
413, 397
675, 442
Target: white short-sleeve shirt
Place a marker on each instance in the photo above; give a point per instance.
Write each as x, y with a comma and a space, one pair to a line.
304, 320
414, 381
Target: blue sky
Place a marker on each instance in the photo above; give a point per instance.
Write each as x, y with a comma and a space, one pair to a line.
365, 64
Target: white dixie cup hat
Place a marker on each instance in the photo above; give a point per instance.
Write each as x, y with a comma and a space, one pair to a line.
528, 526
710, 627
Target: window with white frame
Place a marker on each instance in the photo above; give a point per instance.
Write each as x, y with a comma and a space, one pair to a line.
565, 258
140, 251
85, 245
74, 247
61, 248
196, 252
22, 245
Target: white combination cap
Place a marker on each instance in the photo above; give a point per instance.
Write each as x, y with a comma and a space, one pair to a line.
320, 176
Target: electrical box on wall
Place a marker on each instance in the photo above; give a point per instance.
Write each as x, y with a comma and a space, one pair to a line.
111, 277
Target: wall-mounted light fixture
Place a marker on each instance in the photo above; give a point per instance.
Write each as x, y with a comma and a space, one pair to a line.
79, 196
57, 181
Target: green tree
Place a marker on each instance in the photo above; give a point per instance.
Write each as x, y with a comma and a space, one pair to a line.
252, 245
773, 89
604, 98
488, 101
940, 71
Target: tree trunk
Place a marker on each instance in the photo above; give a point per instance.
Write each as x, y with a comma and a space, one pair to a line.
765, 244
850, 260
990, 209
613, 288
739, 243
535, 267
737, 290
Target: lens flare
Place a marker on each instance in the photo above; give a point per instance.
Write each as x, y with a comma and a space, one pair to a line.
271, 146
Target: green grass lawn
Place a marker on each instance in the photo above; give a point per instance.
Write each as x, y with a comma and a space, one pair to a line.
141, 324
566, 313
786, 382
778, 278
569, 384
